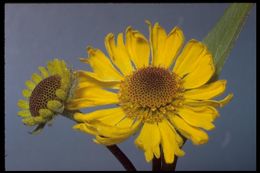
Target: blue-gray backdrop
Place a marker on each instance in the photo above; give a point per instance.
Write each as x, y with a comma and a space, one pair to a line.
36, 33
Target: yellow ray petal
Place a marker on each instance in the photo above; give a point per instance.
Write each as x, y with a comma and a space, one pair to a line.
149, 140
101, 65
91, 96
125, 122
24, 113
201, 74
30, 84
173, 45
90, 92
189, 57
118, 53
83, 127
43, 71
207, 91
27, 93
109, 135
158, 39
57, 67
150, 37
196, 135
108, 141
29, 121
214, 103
113, 131
63, 65
208, 111
137, 47
105, 115
168, 50
179, 139
169, 142
36, 78
51, 68
91, 79
148, 155
196, 119
23, 104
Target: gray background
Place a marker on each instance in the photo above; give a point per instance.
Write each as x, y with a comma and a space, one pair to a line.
36, 33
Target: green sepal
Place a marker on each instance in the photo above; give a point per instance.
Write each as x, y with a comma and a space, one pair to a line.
38, 129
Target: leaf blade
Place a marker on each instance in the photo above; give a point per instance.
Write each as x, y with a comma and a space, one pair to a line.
220, 40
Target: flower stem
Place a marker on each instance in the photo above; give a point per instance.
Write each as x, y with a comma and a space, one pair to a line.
169, 167
121, 157
114, 149
156, 164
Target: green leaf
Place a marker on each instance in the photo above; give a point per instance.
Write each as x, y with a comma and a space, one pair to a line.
222, 37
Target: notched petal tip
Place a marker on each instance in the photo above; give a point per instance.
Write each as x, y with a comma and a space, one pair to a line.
91, 51
226, 100
128, 29
79, 117
148, 156
178, 31
109, 36
156, 151
78, 126
84, 60
148, 22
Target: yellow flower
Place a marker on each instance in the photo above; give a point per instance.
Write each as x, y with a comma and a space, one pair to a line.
46, 94
149, 94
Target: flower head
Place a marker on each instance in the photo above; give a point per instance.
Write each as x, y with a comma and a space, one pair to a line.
46, 94
164, 103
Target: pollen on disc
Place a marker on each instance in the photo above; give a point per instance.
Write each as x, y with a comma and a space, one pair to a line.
44, 92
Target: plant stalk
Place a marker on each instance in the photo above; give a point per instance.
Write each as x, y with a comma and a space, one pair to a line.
114, 149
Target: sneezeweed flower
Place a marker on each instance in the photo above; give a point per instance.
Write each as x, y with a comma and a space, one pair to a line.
46, 94
162, 101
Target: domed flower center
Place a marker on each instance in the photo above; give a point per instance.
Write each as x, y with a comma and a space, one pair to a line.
150, 87
148, 93
44, 92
